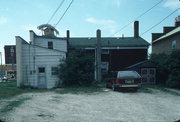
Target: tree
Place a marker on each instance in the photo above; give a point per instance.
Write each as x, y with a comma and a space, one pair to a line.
174, 69
168, 68
77, 69
161, 63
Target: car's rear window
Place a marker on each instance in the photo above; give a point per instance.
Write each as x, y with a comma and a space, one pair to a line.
128, 74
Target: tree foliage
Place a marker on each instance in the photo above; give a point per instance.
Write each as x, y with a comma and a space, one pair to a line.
77, 69
168, 68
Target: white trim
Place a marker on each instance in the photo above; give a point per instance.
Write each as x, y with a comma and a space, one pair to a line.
130, 86
92, 48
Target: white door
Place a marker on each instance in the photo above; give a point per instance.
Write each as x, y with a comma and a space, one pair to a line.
148, 75
42, 77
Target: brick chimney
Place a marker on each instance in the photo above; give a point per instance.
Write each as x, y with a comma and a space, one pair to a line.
136, 29
177, 21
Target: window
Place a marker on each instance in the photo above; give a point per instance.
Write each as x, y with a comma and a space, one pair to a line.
174, 44
12, 51
41, 70
50, 45
54, 70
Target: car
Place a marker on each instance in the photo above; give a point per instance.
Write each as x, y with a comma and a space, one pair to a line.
4, 78
125, 80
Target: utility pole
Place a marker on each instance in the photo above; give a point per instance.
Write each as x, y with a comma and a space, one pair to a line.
1, 65
98, 56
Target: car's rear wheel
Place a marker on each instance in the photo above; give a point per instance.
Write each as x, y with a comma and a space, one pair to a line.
114, 88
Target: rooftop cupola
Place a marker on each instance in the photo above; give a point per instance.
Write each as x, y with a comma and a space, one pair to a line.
48, 30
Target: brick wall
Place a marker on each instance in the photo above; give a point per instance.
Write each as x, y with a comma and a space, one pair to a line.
165, 45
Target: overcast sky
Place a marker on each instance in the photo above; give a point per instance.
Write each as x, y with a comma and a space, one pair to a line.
83, 18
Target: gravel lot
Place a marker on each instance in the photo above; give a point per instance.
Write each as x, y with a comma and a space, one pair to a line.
108, 106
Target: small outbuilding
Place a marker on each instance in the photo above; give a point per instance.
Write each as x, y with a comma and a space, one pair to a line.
147, 70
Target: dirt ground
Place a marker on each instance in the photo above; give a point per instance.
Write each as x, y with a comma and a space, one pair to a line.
108, 106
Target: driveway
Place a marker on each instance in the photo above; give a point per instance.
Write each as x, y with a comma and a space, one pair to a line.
108, 106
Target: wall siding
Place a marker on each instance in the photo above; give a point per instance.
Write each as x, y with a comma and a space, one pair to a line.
57, 43
33, 57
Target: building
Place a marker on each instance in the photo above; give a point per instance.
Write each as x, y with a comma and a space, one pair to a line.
37, 61
117, 53
10, 61
167, 41
147, 70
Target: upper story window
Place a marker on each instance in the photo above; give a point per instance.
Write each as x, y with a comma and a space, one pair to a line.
174, 44
50, 45
12, 51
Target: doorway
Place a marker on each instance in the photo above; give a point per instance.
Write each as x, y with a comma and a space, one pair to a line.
42, 77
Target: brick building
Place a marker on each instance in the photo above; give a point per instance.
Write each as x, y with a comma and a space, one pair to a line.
168, 40
10, 61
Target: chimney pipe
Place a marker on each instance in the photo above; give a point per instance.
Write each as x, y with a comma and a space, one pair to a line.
68, 34
136, 29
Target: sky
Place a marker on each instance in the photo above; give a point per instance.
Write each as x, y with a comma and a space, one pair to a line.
83, 18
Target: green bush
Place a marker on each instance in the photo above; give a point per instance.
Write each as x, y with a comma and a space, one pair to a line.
162, 71
168, 68
174, 69
77, 69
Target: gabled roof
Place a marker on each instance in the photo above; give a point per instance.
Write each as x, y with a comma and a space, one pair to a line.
109, 42
146, 63
175, 31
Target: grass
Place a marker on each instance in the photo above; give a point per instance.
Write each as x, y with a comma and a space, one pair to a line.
95, 88
13, 104
147, 89
9, 89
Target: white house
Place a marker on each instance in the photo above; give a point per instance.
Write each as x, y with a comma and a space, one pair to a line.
37, 61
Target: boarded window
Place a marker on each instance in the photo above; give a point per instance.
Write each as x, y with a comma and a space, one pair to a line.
54, 70
41, 70
50, 45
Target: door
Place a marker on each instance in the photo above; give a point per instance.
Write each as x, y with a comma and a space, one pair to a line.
148, 75
42, 77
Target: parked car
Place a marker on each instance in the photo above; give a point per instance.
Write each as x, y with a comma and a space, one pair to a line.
124, 80
4, 78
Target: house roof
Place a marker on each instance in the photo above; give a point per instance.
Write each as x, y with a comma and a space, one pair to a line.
146, 63
109, 42
174, 31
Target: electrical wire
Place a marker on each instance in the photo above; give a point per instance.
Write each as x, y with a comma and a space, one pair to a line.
160, 22
138, 17
56, 10
64, 13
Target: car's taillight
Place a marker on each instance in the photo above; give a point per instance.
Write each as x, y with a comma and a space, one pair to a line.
120, 81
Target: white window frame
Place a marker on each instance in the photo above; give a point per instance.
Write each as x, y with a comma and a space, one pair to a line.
174, 43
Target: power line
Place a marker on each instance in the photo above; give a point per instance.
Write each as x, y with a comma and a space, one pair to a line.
160, 21
138, 17
56, 11
64, 13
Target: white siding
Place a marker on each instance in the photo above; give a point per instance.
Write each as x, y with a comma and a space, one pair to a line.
33, 57
58, 44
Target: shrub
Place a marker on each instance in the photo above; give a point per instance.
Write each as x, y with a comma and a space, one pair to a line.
168, 68
77, 69
174, 69
162, 71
